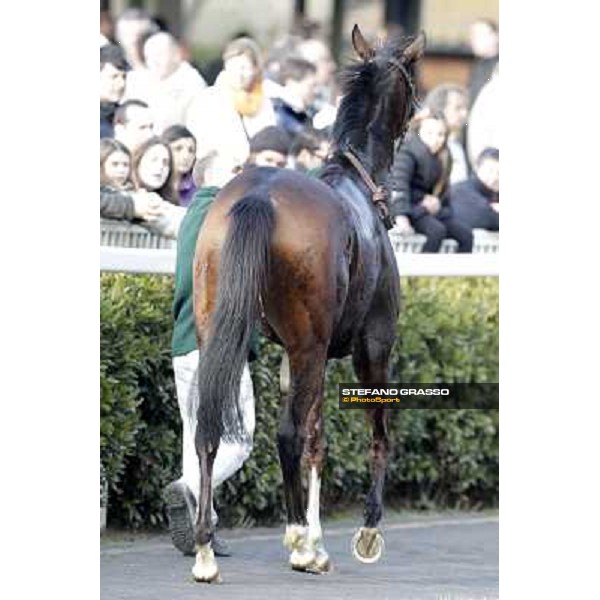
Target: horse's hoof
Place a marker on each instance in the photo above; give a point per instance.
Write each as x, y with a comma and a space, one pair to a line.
367, 545
322, 563
311, 558
302, 559
206, 575
205, 569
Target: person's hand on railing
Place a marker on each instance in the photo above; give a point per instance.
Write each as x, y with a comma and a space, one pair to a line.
158, 216
403, 226
148, 206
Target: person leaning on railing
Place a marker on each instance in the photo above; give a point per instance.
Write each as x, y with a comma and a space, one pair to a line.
132, 192
130, 206
117, 198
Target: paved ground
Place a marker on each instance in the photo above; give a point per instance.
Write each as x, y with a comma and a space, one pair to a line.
432, 558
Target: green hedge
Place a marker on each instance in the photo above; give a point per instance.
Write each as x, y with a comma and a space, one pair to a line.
448, 331
139, 418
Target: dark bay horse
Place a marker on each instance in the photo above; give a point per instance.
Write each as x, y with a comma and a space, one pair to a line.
310, 260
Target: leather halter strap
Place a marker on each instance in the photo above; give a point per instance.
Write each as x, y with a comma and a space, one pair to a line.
379, 195
400, 66
361, 170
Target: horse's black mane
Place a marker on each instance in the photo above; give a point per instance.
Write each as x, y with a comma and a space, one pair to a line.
358, 86
365, 87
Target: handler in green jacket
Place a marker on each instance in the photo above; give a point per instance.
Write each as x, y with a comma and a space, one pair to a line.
268, 147
182, 495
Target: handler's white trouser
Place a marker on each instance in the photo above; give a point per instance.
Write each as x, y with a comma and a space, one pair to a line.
230, 456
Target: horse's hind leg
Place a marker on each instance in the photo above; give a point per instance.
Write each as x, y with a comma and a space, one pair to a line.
206, 568
370, 358
307, 368
314, 452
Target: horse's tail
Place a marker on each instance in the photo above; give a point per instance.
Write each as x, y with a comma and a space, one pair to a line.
243, 275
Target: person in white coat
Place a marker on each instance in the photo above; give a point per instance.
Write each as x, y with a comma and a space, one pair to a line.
168, 83
484, 130
228, 114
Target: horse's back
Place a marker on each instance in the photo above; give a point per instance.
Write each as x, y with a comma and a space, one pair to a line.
308, 213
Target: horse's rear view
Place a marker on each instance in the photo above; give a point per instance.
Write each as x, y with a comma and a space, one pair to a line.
310, 262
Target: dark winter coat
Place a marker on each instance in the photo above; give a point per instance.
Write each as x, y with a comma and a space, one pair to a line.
415, 173
471, 201
107, 115
291, 120
115, 204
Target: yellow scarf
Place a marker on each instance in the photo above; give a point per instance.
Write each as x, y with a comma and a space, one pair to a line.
246, 103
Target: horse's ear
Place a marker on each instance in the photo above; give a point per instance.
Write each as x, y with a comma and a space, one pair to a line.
362, 47
414, 50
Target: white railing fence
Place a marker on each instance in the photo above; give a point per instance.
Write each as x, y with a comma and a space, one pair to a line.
162, 261
132, 249
126, 235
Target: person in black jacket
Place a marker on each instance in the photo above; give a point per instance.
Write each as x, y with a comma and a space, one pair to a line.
113, 70
475, 202
299, 86
419, 182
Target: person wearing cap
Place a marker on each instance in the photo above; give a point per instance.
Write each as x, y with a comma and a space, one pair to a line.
228, 114
270, 148
113, 72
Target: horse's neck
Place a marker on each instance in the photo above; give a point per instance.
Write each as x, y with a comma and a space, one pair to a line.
378, 158
342, 176
374, 155
354, 195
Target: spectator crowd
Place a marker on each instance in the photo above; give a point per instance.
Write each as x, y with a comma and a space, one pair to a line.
166, 133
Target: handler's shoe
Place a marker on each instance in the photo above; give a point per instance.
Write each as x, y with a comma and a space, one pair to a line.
181, 512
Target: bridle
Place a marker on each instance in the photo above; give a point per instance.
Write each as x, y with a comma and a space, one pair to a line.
415, 105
